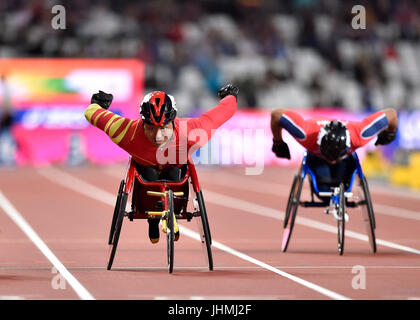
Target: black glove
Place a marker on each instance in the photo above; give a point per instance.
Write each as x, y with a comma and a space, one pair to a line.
385, 137
281, 149
102, 98
6, 121
228, 90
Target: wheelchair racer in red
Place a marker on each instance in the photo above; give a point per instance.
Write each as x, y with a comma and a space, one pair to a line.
160, 132
329, 142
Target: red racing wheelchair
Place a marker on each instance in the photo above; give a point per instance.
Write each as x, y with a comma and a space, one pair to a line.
161, 199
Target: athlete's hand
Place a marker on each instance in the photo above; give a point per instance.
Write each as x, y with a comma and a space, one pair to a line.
281, 149
385, 137
102, 98
228, 90
7, 120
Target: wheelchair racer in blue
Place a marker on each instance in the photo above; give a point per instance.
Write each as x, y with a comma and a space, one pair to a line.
331, 164
330, 142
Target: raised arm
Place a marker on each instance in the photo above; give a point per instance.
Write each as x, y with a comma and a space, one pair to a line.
215, 117
115, 126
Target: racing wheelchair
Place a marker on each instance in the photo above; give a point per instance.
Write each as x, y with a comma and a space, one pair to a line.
161, 199
336, 200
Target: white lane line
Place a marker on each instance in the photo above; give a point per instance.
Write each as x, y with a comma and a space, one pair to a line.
277, 189
218, 245
216, 297
242, 205
396, 212
256, 186
394, 191
377, 187
31, 234
11, 298
205, 268
79, 185
72, 183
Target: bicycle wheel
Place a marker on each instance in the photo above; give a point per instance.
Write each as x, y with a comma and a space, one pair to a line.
290, 201
291, 213
206, 235
341, 222
116, 211
117, 231
170, 234
368, 214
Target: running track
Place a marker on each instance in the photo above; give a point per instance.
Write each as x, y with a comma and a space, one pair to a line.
54, 225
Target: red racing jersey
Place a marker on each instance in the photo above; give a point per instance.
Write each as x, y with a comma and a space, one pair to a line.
189, 133
306, 131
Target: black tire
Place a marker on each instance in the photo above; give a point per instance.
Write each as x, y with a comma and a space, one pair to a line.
206, 236
341, 222
289, 201
170, 234
292, 212
371, 226
116, 211
202, 207
117, 231
368, 199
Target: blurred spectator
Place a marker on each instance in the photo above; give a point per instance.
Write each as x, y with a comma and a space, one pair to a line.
6, 120
292, 53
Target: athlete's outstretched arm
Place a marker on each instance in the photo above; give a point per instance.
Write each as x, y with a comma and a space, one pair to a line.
116, 127
217, 116
382, 124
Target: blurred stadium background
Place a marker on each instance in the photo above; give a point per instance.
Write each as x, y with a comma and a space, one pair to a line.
300, 54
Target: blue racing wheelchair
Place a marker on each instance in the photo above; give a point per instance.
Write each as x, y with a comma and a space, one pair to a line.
337, 199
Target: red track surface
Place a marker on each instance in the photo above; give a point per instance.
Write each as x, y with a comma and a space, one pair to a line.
73, 221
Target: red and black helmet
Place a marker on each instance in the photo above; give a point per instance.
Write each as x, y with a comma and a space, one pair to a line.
158, 108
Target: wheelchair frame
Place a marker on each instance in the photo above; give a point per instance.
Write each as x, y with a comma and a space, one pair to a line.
339, 200
167, 215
